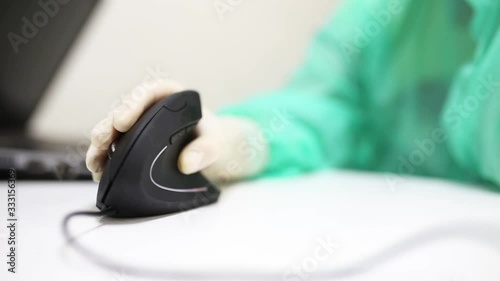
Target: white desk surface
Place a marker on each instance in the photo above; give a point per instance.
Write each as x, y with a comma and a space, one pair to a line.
269, 225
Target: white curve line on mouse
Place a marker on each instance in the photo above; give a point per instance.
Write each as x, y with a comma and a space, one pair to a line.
196, 189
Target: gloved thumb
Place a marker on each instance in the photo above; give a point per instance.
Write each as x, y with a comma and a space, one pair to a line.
198, 155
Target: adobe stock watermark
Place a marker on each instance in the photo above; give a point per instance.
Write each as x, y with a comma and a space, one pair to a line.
324, 249
153, 76
223, 7
365, 34
120, 275
454, 117
251, 146
32, 25
248, 150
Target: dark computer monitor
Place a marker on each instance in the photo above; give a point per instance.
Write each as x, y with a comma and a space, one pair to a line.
36, 34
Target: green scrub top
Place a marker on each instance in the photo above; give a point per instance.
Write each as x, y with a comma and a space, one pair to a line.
399, 86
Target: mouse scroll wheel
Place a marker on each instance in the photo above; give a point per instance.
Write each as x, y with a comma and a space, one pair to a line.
111, 150
177, 136
181, 133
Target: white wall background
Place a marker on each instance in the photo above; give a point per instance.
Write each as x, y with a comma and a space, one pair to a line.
254, 47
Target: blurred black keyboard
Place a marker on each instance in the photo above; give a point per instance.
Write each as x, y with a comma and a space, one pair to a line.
34, 160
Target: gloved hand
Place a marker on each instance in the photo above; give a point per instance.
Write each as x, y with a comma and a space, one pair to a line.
225, 149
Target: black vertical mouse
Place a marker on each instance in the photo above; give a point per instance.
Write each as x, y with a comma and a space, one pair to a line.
141, 177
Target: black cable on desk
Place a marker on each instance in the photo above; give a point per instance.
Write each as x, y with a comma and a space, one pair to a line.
487, 233
68, 217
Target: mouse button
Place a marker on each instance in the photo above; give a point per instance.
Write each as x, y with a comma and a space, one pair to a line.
111, 150
177, 136
192, 97
175, 103
191, 128
190, 114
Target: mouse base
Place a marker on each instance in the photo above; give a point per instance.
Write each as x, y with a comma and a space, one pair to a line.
120, 210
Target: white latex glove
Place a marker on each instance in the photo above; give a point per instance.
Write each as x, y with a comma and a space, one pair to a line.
226, 149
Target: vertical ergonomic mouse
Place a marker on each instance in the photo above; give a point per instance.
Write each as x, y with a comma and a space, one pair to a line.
141, 177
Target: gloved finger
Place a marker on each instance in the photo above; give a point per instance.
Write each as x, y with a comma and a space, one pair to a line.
238, 157
97, 176
104, 133
101, 137
134, 105
197, 155
96, 158
208, 122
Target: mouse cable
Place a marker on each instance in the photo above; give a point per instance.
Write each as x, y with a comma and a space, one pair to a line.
486, 233
68, 217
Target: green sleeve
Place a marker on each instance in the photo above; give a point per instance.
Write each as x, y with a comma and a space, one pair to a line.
369, 102
472, 112
320, 108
